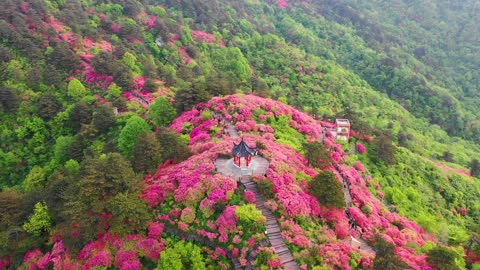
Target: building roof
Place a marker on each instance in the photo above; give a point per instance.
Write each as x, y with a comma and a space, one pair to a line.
342, 122
243, 150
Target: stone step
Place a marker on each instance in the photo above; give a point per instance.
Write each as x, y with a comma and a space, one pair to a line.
275, 237
270, 222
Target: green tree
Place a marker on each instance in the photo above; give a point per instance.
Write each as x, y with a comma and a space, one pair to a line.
327, 189
161, 112
182, 256
173, 146
81, 114
93, 192
35, 179
9, 100
219, 84
103, 118
317, 155
76, 90
129, 134
385, 258
72, 167
146, 153
475, 168
75, 151
61, 148
40, 221
13, 210
189, 96
131, 61
382, 150
129, 213
122, 76
48, 106
442, 258
113, 91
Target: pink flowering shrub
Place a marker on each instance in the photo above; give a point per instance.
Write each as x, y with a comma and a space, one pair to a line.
282, 3
359, 166
155, 229
294, 234
249, 196
360, 148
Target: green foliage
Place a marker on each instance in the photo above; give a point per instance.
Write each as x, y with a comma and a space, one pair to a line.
443, 258
131, 62
9, 100
316, 154
76, 90
187, 97
72, 167
249, 214
48, 106
13, 210
115, 10
80, 115
35, 179
147, 153
382, 150
327, 189
62, 145
105, 184
173, 146
285, 134
103, 118
206, 115
161, 112
128, 207
231, 60
39, 221
385, 258
181, 256
475, 168
266, 188
114, 91
129, 134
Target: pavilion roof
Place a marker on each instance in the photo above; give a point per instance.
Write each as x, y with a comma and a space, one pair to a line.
243, 150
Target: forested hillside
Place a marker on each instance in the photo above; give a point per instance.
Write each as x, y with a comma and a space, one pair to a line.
114, 112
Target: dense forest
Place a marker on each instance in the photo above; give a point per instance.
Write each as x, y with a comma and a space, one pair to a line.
113, 113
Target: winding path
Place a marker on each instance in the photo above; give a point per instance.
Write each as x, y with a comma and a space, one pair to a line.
348, 203
347, 193
245, 177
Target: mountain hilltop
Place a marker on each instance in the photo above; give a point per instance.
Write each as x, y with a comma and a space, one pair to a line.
118, 120
193, 198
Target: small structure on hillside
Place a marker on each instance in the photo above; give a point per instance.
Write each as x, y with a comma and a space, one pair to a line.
243, 152
342, 129
353, 242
